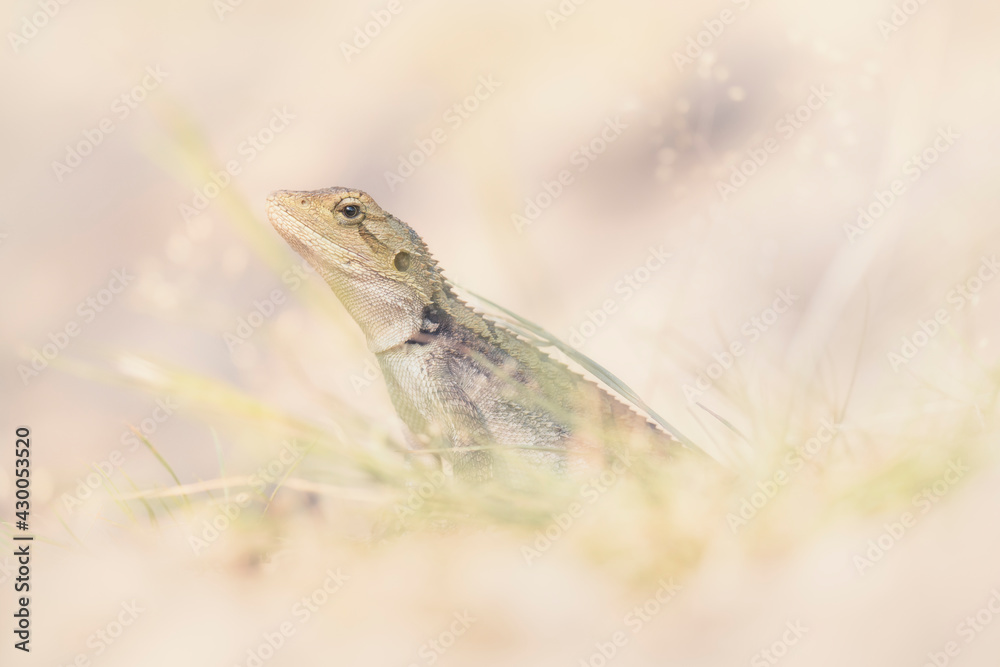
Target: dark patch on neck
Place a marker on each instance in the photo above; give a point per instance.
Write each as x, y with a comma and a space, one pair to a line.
419, 339
434, 321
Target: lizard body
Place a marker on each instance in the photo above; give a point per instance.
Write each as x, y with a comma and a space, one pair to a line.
458, 380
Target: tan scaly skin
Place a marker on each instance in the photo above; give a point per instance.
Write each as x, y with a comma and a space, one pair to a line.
459, 381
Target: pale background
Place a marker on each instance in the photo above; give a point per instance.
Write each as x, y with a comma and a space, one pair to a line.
655, 185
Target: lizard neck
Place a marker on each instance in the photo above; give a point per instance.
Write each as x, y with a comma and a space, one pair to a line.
388, 312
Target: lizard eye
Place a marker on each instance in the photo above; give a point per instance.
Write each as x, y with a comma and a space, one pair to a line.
350, 211
401, 261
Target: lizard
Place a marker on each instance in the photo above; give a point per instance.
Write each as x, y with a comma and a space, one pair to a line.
461, 382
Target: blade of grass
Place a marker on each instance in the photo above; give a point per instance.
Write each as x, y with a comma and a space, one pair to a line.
288, 473
159, 457
149, 508
725, 422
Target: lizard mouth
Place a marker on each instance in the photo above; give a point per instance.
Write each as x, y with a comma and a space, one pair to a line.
291, 228
279, 213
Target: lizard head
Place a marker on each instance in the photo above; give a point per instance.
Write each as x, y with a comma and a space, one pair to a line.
376, 264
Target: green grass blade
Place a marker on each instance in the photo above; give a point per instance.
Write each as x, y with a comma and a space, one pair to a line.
159, 457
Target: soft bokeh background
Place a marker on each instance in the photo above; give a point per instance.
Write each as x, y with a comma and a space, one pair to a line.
683, 126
